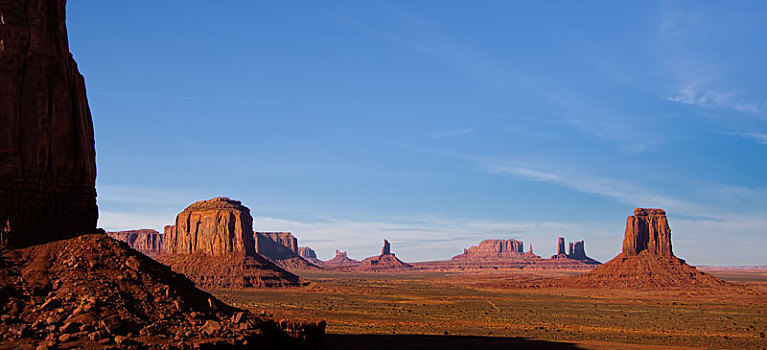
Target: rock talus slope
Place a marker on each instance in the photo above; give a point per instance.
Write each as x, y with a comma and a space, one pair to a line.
61, 285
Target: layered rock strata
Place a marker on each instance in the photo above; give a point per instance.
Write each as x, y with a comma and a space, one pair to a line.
212, 243
215, 226
645, 263
147, 241
282, 248
47, 154
61, 287
493, 248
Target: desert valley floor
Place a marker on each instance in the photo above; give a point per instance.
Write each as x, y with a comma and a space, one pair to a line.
457, 309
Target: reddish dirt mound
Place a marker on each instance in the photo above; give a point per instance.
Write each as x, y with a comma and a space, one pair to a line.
92, 291
232, 270
645, 271
383, 263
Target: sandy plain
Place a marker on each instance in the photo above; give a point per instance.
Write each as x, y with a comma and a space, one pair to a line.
463, 309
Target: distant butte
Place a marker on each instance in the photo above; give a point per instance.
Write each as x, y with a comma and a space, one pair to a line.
646, 262
385, 262
212, 243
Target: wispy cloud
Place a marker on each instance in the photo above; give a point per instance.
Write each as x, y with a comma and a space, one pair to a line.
698, 79
753, 136
452, 133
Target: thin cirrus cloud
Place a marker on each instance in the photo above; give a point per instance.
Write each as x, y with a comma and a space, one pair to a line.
697, 79
757, 137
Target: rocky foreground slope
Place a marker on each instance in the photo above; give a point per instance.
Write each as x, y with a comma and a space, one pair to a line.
62, 284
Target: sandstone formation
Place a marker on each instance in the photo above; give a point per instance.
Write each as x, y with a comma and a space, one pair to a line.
575, 251
491, 248
282, 248
645, 263
215, 226
309, 255
385, 262
647, 230
147, 241
61, 286
213, 244
340, 262
493, 254
93, 292
47, 154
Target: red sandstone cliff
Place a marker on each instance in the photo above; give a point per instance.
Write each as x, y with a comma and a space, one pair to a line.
385, 262
215, 226
282, 248
492, 248
47, 154
147, 241
648, 230
212, 243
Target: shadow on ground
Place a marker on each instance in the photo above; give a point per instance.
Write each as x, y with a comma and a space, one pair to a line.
403, 342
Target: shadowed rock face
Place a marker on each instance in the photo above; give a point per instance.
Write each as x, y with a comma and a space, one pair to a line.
276, 245
215, 226
147, 241
647, 229
47, 154
307, 253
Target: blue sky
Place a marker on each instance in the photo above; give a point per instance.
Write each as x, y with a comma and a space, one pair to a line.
435, 124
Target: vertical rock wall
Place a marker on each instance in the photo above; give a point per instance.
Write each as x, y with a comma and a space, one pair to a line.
47, 154
647, 229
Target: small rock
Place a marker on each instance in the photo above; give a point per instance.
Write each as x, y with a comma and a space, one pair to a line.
211, 327
104, 341
132, 263
64, 338
119, 339
42, 347
237, 317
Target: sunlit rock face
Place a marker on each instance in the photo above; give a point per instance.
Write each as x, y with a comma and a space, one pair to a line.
215, 226
648, 230
47, 154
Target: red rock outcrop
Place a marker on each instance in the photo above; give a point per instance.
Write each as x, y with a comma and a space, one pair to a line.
648, 230
575, 251
212, 243
60, 285
47, 154
500, 254
385, 262
492, 248
340, 262
282, 248
215, 226
309, 255
147, 241
645, 263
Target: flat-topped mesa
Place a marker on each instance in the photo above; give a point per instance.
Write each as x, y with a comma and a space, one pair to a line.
493, 248
47, 153
276, 245
147, 241
215, 226
648, 230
